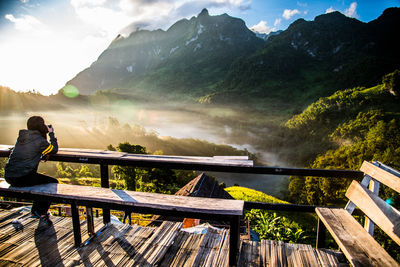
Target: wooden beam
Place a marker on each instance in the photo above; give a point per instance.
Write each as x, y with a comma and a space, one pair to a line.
381, 213
383, 176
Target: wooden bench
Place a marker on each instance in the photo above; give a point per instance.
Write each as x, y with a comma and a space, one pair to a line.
357, 242
138, 202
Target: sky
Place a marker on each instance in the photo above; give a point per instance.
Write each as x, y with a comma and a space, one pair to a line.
45, 43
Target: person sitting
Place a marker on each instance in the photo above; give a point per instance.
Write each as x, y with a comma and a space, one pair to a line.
21, 168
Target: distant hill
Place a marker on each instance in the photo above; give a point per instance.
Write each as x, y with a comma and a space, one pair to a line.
218, 59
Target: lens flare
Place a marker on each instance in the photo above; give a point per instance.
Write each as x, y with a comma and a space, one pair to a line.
389, 201
70, 91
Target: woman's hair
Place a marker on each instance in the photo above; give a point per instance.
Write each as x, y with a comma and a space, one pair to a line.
37, 123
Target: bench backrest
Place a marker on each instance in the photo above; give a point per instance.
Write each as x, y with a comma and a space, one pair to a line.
367, 199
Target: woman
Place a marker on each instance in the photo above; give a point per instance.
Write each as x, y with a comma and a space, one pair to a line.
22, 165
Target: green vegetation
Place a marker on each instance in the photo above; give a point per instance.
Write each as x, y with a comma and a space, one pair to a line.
145, 179
284, 226
248, 194
355, 124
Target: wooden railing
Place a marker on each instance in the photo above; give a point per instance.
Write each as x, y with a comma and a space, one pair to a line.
235, 164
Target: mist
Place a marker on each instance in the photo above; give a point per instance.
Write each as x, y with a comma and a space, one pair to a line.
189, 130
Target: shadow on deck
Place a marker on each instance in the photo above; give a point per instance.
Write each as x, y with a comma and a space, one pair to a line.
28, 242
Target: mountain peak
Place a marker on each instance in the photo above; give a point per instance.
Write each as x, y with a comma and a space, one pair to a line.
204, 13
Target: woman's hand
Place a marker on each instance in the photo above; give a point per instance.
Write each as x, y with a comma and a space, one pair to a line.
50, 128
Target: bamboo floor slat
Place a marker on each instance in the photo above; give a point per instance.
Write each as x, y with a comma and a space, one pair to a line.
31, 243
276, 253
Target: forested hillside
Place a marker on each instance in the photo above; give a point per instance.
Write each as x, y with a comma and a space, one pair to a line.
348, 127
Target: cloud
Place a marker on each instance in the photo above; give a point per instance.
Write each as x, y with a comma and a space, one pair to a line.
288, 14
128, 15
277, 22
301, 4
262, 27
24, 23
66, 44
351, 11
330, 10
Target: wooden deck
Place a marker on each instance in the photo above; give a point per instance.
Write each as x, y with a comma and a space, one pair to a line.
31, 243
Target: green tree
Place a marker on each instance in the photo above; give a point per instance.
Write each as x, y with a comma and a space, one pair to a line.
129, 174
391, 82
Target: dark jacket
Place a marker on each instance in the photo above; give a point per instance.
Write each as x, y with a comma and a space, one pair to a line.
30, 148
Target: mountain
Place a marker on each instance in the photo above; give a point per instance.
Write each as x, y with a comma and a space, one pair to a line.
315, 58
189, 57
218, 59
266, 36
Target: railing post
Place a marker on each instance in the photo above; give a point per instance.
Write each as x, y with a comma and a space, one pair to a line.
321, 235
106, 184
234, 236
89, 220
76, 224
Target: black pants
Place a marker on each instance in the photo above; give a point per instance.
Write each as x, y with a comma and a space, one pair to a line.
31, 179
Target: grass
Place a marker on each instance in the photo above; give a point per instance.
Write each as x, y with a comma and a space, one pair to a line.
247, 194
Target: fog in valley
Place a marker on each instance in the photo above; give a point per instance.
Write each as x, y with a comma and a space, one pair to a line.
191, 130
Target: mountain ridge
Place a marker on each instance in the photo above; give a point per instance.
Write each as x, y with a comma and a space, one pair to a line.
219, 59
126, 59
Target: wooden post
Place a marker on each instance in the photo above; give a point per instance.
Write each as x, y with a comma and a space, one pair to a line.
105, 183
234, 237
76, 225
89, 220
321, 235
369, 225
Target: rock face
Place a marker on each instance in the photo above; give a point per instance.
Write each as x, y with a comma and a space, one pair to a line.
195, 52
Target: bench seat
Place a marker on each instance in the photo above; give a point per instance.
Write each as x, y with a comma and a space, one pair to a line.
359, 247
130, 200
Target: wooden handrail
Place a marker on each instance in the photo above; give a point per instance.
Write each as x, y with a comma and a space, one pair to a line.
215, 164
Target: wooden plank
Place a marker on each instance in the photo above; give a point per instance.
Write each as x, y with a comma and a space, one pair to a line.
385, 177
358, 246
381, 213
350, 206
135, 199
